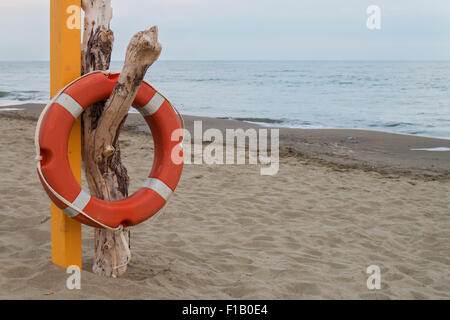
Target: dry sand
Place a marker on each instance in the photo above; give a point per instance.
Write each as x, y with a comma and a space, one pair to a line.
228, 232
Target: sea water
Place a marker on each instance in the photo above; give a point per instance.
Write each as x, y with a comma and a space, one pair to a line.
392, 96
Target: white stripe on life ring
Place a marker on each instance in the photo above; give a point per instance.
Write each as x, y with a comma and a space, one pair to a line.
80, 202
153, 105
69, 103
159, 187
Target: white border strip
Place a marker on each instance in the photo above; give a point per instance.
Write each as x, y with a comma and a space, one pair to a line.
152, 106
159, 187
80, 202
69, 103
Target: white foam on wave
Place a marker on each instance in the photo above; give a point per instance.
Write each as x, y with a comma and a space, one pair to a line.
10, 109
432, 149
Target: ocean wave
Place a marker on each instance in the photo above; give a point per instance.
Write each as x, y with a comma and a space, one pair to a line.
25, 96
432, 149
391, 124
261, 120
208, 80
265, 75
10, 109
282, 123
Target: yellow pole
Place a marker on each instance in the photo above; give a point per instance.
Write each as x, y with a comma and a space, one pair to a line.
65, 66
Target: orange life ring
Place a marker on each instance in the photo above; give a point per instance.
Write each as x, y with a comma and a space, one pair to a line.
54, 171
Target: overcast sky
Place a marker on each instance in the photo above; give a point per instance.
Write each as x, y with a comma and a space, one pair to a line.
251, 29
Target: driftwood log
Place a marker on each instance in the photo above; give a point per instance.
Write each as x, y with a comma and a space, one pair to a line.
106, 176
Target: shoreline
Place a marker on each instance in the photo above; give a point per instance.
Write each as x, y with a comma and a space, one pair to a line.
368, 150
271, 123
265, 122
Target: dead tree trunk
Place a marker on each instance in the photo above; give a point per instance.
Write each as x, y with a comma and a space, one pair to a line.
106, 176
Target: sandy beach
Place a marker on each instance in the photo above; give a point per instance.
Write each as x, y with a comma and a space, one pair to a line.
342, 200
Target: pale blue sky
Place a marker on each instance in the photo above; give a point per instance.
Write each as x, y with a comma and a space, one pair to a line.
252, 29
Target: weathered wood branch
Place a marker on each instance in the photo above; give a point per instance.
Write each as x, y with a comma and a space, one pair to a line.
96, 50
142, 51
98, 38
107, 177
